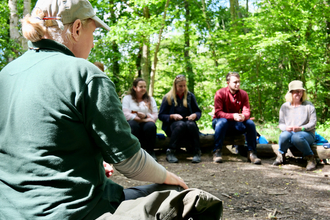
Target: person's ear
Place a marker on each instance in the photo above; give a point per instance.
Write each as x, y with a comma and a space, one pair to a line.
76, 30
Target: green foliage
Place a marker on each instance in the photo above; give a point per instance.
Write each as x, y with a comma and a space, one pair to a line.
281, 41
4, 34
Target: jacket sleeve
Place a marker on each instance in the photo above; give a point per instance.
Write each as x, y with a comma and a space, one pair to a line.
246, 106
194, 107
164, 111
105, 122
219, 102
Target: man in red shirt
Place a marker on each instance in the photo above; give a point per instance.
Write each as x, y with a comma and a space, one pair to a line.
231, 117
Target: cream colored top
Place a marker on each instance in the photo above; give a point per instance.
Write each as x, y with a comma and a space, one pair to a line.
130, 105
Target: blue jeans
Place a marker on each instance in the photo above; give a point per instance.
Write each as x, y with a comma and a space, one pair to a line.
141, 191
223, 127
301, 140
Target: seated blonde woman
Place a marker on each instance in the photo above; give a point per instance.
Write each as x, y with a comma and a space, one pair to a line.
297, 122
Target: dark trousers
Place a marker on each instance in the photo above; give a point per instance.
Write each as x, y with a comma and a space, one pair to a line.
145, 132
187, 130
223, 127
145, 190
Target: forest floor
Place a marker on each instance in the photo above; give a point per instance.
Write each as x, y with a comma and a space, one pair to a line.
254, 191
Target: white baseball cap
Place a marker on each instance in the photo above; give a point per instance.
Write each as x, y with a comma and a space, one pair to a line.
67, 11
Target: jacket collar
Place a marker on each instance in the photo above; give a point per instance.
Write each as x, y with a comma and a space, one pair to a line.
46, 44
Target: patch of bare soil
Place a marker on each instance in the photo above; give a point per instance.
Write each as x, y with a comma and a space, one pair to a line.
254, 191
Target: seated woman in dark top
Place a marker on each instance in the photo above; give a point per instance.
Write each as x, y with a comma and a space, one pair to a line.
178, 112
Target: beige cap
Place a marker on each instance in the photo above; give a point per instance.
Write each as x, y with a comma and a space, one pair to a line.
67, 11
296, 84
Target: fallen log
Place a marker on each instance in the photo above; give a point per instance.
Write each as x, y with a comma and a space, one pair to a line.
264, 150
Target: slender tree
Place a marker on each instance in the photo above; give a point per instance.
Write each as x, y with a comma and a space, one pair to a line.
154, 64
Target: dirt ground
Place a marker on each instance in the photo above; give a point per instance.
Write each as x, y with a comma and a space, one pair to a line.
254, 191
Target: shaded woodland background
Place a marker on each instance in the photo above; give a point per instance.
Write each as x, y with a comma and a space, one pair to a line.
269, 42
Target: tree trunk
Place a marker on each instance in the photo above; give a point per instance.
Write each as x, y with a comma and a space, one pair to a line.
189, 71
145, 60
115, 59
260, 118
154, 64
139, 62
26, 10
247, 6
233, 10
210, 33
13, 30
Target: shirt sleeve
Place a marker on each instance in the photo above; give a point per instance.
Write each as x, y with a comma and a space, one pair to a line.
105, 122
282, 124
194, 107
126, 108
219, 101
312, 118
142, 167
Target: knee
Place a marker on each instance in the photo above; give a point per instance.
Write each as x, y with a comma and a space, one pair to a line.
179, 125
297, 139
249, 124
134, 125
221, 123
191, 125
150, 126
285, 136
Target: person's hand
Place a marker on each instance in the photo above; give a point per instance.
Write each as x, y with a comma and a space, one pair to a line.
296, 128
289, 128
239, 117
191, 117
148, 119
176, 117
108, 169
141, 115
172, 179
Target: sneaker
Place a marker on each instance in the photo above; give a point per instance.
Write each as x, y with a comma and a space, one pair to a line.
252, 157
311, 163
197, 158
170, 157
217, 158
280, 159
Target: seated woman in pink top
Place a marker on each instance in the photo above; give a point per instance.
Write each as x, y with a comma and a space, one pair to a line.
141, 112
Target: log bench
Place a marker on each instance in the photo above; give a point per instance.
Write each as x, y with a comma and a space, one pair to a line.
264, 150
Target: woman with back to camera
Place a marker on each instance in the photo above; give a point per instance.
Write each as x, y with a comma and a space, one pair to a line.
52, 152
141, 112
179, 112
297, 122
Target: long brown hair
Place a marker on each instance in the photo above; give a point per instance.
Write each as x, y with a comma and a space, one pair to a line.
146, 98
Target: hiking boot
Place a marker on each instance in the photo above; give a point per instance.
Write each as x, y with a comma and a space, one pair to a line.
280, 159
217, 158
311, 163
170, 157
152, 154
252, 157
197, 157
